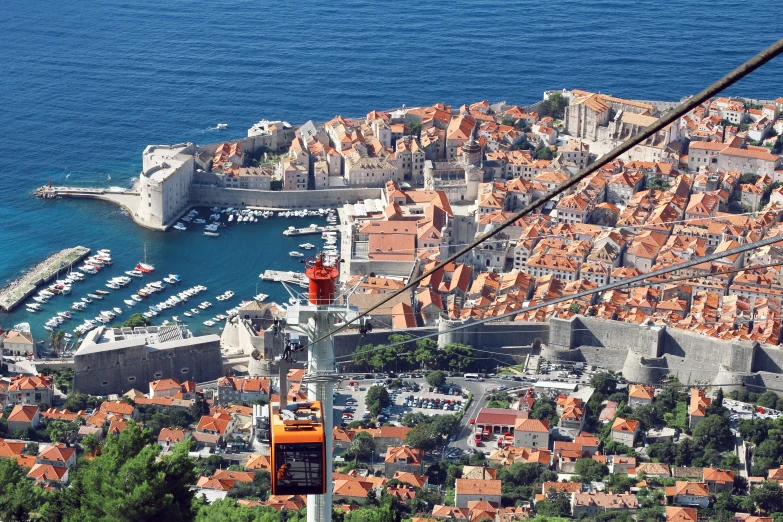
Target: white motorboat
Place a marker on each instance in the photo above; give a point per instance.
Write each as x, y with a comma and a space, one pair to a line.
199, 221
307, 246
229, 294
117, 310
187, 314
209, 323
194, 311
137, 298
260, 297
177, 319
221, 126
180, 226
134, 273
130, 302
295, 253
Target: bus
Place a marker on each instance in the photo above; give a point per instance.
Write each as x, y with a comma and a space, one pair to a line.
472, 377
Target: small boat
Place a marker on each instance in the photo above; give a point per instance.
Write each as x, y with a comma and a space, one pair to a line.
209, 323
33, 310
220, 317
194, 311
180, 226
78, 306
221, 126
294, 253
66, 314
102, 292
86, 300
94, 296
187, 314
211, 234
260, 297
177, 319
117, 310
307, 246
137, 298
130, 302
134, 273
229, 294
199, 221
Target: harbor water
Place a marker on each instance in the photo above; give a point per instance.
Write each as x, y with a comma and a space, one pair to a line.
81, 100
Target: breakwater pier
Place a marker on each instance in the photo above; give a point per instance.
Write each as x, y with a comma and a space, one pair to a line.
296, 278
16, 292
309, 230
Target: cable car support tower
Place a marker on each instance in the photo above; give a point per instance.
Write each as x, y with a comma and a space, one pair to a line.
313, 320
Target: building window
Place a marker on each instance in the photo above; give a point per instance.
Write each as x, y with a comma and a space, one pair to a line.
158, 375
105, 383
184, 370
131, 379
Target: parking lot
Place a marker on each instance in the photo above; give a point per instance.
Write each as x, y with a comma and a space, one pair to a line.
415, 396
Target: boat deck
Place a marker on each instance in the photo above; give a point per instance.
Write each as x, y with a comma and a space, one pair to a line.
16, 292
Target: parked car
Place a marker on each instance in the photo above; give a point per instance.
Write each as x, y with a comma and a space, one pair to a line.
473, 420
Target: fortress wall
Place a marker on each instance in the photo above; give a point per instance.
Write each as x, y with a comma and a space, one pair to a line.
108, 371
210, 196
768, 359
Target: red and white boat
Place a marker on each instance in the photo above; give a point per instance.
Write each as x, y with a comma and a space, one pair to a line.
144, 267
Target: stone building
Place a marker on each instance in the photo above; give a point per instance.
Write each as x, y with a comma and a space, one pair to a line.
115, 360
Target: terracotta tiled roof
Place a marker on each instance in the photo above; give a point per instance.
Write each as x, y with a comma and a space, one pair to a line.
172, 435
23, 413
56, 453
47, 472
478, 487
696, 489
640, 391
681, 514
625, 425
411, 455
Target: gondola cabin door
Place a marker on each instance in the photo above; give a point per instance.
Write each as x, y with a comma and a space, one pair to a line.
298, 449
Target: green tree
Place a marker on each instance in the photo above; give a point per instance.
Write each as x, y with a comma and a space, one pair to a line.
426, 354
768, 399
56, 338
19, 496
59, 431
89, 443
555, 105
362, 445
257, 489
414, 129
718, 402
714, 432
589, 470
543, 408
767, 497
543, 152
136, 320
436, 379
377, 399
459, 356
557, 505
424, 437
31, 448
604, 383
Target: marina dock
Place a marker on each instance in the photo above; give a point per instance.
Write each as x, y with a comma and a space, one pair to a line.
294, 278
16, 292
309, 230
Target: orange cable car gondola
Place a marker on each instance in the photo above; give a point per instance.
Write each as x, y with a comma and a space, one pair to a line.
298, 447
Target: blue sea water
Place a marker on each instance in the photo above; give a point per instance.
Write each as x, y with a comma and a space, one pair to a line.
86, 85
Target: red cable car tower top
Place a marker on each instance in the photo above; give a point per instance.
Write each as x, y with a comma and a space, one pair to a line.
322, 280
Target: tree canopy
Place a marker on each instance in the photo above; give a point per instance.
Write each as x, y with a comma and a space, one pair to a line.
377, 399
